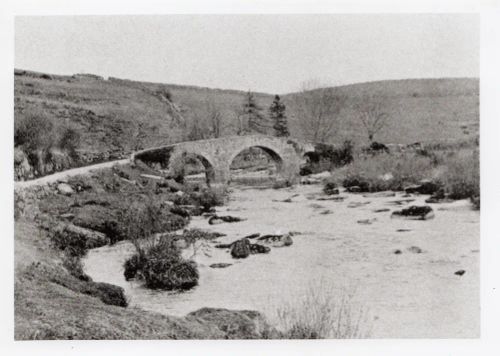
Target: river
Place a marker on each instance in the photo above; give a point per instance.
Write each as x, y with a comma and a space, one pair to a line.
409, 294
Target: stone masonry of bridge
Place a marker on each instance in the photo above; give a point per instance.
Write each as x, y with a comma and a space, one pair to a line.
217, 154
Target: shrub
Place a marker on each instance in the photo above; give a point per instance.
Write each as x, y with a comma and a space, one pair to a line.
143, 219
160, 264
461, 176
326, 157
33, 131
72, 244
132, 266
69, 140
209, 198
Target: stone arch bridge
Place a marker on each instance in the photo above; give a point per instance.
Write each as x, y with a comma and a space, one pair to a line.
217, 154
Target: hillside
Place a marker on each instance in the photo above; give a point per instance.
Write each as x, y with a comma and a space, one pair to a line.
115, 116
419, 110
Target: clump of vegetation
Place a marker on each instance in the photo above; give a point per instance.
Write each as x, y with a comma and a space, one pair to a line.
461, 176
160, 264
157, 260
455, 172
33, 131
385, 171
47, 146
205, 198
72, 244
328, 157
322, 314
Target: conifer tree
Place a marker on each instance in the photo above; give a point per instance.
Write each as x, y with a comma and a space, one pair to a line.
252, 113
278, 117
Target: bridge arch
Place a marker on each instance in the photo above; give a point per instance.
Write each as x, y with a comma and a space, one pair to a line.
275, 156
178, 161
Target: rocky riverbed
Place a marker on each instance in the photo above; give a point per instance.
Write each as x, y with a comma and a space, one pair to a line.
415, 278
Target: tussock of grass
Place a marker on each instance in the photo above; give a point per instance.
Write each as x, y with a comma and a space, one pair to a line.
322, 313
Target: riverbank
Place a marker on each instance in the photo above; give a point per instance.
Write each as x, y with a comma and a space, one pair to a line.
400, 272
54, 299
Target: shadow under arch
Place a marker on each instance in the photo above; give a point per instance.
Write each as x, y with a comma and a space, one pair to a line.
177, 165
275, 157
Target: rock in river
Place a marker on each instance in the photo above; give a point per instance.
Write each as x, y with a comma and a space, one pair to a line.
415, 249
220, 219
256, 248
277, 240
240, 248
220, 265
415, 213
424, 187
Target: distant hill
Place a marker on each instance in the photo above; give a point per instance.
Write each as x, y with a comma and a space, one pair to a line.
116, 115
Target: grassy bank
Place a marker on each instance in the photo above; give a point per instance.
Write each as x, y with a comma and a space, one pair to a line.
54, 299
454, 172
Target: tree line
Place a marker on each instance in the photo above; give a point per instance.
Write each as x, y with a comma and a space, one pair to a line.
317, 109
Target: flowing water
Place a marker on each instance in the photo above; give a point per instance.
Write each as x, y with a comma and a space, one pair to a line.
406, 295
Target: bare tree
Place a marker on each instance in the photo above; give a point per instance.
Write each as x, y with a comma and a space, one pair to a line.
209, 123
372, 116
215, 118
317, 108
242, 127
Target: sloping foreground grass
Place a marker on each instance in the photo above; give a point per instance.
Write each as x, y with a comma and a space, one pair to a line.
50, 303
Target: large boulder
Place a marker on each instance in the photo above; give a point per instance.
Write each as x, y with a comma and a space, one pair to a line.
237, 324
415, 213
240, 248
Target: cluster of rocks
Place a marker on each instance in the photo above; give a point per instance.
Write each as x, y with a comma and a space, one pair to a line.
243, 248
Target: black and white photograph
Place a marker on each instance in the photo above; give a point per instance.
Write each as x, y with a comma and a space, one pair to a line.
266, 176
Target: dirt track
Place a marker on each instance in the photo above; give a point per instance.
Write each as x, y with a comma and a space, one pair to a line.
68, 173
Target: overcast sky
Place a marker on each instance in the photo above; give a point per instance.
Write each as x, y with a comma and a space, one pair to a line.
268, 53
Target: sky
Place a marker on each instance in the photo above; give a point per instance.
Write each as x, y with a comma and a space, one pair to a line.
265, 53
